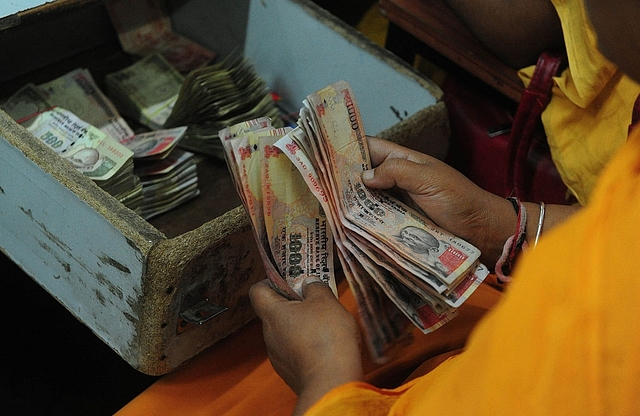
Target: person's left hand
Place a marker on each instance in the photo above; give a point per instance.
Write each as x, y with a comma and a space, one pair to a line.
313, 344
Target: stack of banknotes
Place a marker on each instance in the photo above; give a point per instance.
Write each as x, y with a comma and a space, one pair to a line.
219, 95
78, 121
168, 175
90, 151
146, 91
154, 93
303, 190
144, 171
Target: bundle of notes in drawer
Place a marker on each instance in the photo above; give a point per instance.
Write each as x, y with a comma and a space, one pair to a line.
303, 190
168, 175
79, 122
90, 151
154, 93
216, 96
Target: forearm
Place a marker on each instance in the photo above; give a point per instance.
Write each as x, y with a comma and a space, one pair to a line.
515, 31
502, 220
553, 215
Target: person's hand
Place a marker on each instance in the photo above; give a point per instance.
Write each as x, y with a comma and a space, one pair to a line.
445, 195
313, 344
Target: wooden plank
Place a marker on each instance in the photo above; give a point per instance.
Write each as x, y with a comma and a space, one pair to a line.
113, 270
91, 265
434, 23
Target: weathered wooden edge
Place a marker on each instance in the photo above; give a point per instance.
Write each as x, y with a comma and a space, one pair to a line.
219, 257
136, 229
360, 40
427, 131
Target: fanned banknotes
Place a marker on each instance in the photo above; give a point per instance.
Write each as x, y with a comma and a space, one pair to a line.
216, 96
289, 224
397, 262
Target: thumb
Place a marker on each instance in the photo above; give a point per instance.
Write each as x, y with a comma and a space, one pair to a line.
314, 288
403, 173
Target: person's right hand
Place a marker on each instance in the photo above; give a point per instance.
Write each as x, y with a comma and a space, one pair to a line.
313, 343
449, 198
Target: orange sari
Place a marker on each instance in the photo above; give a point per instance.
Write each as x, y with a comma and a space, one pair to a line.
564, 340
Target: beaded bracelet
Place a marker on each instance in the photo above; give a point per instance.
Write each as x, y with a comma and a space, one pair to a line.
514, 244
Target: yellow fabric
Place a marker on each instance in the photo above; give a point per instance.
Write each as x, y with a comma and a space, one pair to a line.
565, 339
591, 100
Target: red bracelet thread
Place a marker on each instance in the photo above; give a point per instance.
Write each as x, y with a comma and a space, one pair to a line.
514, 244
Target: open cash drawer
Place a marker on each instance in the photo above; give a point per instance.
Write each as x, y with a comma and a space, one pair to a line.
158, 292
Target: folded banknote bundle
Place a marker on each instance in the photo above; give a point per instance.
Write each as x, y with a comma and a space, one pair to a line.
303, 190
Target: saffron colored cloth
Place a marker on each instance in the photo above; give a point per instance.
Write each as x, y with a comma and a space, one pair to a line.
591, 108
565, 338
235, 377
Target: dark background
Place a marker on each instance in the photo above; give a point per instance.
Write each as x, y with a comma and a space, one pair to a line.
53, 364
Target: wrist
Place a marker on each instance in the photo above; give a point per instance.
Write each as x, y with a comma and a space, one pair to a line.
535, 221
502, 222
321, 382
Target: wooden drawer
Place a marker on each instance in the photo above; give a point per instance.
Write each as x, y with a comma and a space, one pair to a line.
133, 281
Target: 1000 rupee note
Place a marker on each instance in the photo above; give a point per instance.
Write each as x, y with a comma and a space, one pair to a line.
397, 263
388, 220
424, 312
243, 160
297, 229
231, 132
403, 281
311, 142
379, 319
246, 158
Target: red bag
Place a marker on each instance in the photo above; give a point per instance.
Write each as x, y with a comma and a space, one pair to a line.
500, 147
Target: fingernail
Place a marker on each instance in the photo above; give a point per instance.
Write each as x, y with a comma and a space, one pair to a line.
312, 279
367, 175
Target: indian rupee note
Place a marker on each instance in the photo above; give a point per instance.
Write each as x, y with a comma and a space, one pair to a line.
88, 149
144, 27
26, 102
378, 317
146, 90
155, 144
243, 160
77, 92
385, 218
297, 228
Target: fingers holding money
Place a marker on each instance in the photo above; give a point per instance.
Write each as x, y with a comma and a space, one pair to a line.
313, 343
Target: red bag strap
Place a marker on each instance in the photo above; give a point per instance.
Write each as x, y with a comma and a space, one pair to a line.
534, 100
